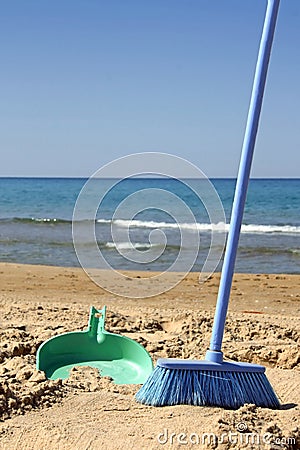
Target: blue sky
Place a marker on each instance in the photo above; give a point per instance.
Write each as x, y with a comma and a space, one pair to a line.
85, 82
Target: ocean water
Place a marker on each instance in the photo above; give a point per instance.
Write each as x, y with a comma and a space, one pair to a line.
133, 218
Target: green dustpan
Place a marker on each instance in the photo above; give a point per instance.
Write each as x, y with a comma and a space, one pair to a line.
116, 356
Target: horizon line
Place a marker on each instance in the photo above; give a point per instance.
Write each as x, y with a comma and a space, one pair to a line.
142, 177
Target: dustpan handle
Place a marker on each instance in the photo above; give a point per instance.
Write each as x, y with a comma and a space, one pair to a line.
243, 176
96, 321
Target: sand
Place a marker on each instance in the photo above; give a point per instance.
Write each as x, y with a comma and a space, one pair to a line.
88, 411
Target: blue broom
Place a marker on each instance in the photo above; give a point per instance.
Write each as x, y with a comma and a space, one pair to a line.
213, 382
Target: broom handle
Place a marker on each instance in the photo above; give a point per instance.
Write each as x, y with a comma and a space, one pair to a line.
243, 176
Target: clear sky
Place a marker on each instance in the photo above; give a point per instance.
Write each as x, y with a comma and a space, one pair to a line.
86, 81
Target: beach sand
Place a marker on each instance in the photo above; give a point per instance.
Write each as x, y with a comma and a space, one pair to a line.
89, 412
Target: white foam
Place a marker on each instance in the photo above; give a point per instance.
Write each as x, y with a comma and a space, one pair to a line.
127, 245
261, 229
219, 227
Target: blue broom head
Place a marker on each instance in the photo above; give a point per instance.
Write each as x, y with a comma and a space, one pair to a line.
205, 383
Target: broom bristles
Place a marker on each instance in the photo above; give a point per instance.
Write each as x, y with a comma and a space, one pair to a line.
167, 387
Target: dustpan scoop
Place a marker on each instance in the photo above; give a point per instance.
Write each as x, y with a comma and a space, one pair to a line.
116, 356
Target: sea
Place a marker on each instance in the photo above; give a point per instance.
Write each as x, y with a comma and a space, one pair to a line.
136, 215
